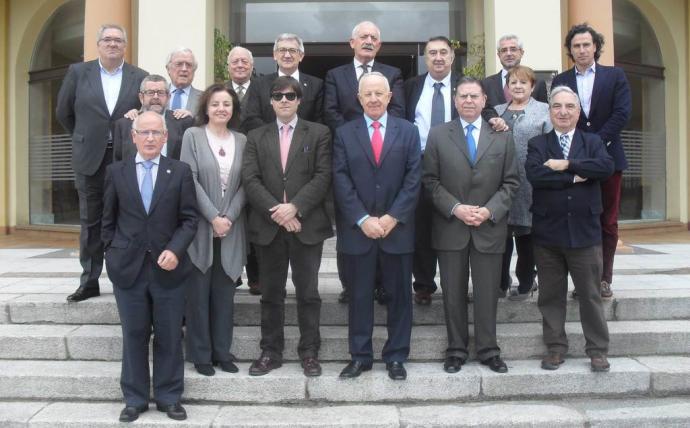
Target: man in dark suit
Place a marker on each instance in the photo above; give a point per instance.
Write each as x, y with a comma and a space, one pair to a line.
149, 220
606, 103
154, 94
92, 97
184, 98
288, 52
287, 174
510, 51
376, 180
471, 173
565, 168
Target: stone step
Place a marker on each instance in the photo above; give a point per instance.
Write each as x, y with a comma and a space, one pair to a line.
626, 305
426, 382
647, 412
517, 341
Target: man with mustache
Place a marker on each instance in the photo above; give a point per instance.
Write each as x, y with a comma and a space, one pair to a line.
154, 94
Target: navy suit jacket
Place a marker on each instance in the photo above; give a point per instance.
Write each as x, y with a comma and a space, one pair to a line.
566, 214
362, 187
129, 233
610, 108
340, 103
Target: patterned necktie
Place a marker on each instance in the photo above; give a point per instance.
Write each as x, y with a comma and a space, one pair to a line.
376, 141
365, 69
177, 99
284, 144
565, 145
471, 144
147, 184
438, 106
506, 92
240, 92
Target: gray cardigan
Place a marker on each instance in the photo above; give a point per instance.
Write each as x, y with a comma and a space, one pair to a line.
535, 121
197, 153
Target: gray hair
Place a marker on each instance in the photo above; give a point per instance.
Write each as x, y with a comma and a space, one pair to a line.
288, 36
558, 89
181, 50
370, 75
104, 27
135, 124
240, 49
356, 29
508, 37
154, 78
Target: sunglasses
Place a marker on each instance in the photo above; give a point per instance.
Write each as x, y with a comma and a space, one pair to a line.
277, 96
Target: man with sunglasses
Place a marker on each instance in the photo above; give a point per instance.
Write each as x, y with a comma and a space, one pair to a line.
287, 173
93, 95
288, 52
154, 94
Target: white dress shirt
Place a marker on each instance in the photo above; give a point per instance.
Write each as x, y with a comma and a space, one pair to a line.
585, 83
475, 132
141, 171
183, 97
111, 82
358, 68
422, 115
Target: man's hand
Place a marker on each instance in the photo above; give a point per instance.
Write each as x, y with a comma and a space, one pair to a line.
167, 260
388, 223
465, 213
283, 213
132, 114
372, 229
221, 226
181, 113
480, 215
557, 164
498, 124
293, 225
579, 179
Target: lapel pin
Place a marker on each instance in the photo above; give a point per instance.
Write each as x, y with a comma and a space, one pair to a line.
168, 171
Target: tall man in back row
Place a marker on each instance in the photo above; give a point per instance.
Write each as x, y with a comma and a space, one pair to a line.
92, 97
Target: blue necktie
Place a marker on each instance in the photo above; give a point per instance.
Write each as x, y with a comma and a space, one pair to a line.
177, 99
438, 106
147, 185
565, 145
471, 144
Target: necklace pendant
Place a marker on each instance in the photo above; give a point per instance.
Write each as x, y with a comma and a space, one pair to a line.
221, 152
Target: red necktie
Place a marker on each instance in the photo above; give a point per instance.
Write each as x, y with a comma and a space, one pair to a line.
376, 141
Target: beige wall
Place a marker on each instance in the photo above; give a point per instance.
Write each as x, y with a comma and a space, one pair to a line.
598, 14
97, 13
4, 148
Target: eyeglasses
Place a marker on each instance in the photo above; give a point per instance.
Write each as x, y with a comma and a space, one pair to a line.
109, 40
277, 96
151, 93
291, 51
511, 49
149, 133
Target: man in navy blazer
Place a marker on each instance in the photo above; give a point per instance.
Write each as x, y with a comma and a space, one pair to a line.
565, 168
376, 180
93, 95
149, 220
606, 103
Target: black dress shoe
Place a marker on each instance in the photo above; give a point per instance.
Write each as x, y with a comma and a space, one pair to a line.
174, 411
204, 369
131, 413
227, 366
496, 364
396, 370
380, 295
453, 364
422, 298
311, 367
344, 297
264, 365
255, 288
83, 294
354, 369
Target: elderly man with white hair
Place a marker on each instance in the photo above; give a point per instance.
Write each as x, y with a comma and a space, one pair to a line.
181, 65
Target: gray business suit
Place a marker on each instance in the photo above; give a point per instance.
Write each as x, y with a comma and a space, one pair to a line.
450, 178
193, 100
218, 261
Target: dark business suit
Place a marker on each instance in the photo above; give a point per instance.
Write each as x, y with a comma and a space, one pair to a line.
123, 147
82, 111
361, 187
259, 108
146, 295
493, 86
340, 103
610, 110
567, 235
304, 183
451, 178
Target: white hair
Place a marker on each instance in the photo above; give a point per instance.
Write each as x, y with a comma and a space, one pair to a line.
356, 29
558, 89
135, 124
181, 50
237, 49
104, 27
371, 75
289, 36
508, 37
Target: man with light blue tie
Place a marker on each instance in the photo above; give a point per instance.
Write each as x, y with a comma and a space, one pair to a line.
181, 65
471, 175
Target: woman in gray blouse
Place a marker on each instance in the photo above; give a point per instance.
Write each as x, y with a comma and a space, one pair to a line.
527, 118
219, 250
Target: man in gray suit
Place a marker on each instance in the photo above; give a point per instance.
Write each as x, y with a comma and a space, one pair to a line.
471, 173
92, 97
286, 174
181, 66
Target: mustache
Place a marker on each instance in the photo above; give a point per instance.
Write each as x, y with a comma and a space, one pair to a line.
368, 46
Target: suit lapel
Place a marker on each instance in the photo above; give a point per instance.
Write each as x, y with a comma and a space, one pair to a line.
388, 141
296, 144
364, 141
457, 136
576, 146
419, 87
499, 87
454, 79
125, 85
351, 77
162, 181
94, 76
554, 146
485, 140
129, 170
173, 132
597, 87
272, 140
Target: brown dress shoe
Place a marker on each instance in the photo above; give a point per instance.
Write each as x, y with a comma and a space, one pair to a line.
552, 360
422, 298
311, 367
606, 292
600, 363
264, 365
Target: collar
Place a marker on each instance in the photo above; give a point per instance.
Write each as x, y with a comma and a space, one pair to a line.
477, 123
139, 159
118, 69
504, 73
186, 90
592, 68
370, 64
570, 134
292, 123
383, 120
236, 85
429, 81
294, 75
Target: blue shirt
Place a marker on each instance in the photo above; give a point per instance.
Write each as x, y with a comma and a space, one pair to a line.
141, 171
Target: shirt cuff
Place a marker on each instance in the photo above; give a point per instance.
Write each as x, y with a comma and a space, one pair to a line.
452, 210
362, 220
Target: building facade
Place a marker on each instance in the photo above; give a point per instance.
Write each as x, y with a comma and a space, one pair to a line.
648, 39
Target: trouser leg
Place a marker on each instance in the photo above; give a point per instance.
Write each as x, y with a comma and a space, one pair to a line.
553, 292
273, 270
222, 304
611, 199
396, 278
454, 267
360, 273
486, 276
305, 261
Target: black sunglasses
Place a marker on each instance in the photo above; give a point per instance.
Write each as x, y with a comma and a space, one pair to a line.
277, 96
